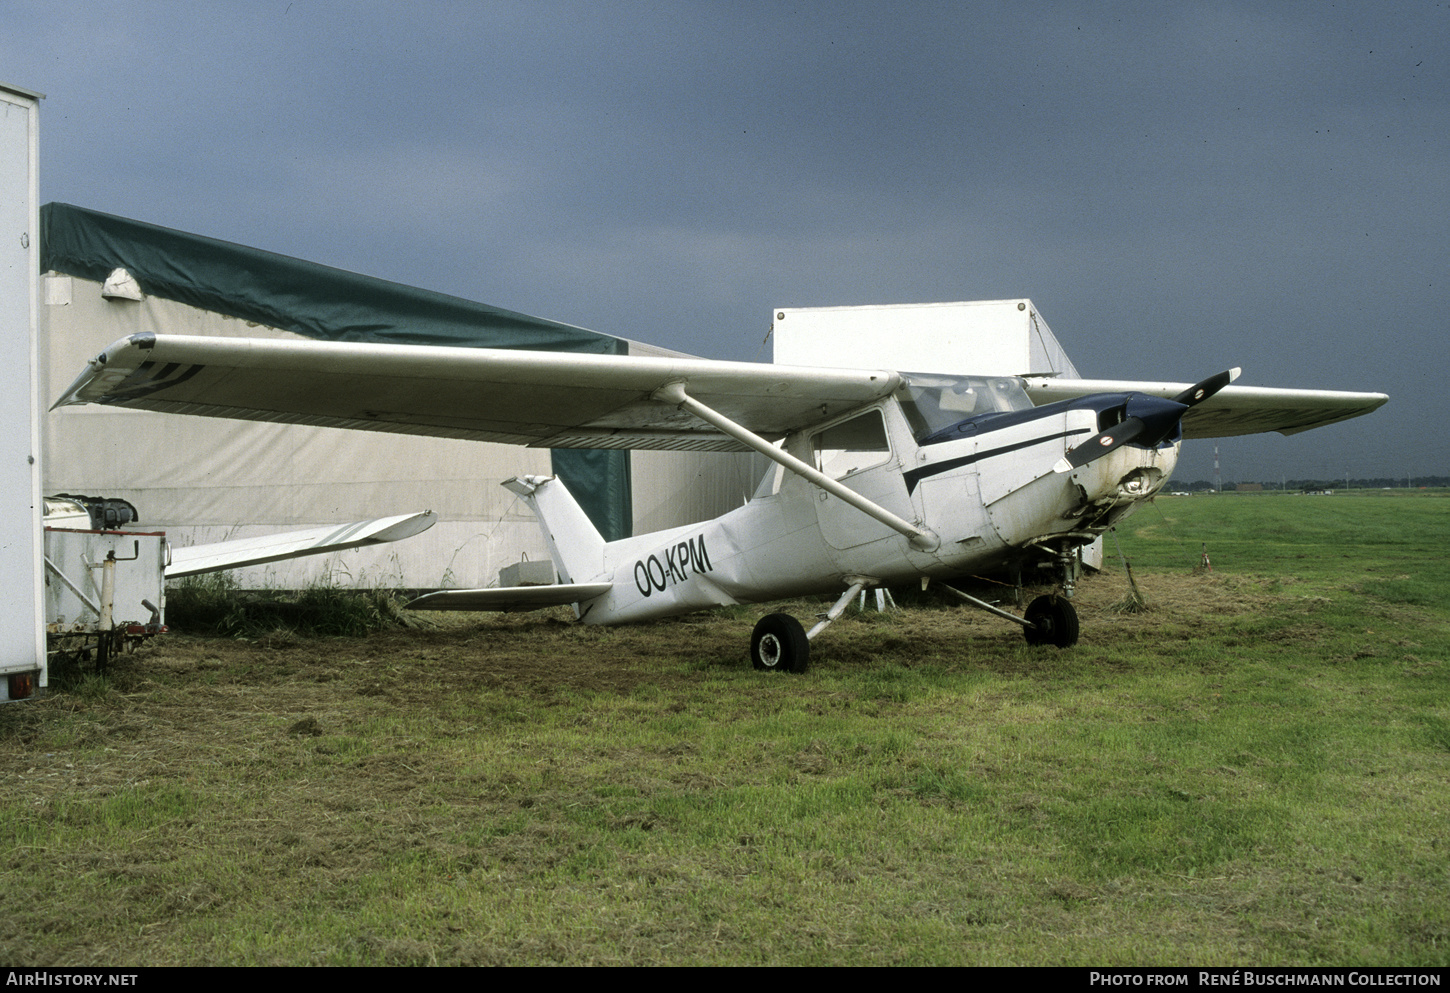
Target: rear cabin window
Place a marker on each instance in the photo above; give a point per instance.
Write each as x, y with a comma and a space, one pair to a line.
851, 446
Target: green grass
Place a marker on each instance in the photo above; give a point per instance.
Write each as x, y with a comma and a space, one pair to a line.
212, 604
1308, 536
1256, 770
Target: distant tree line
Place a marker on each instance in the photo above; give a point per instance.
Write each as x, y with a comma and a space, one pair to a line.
1300, 485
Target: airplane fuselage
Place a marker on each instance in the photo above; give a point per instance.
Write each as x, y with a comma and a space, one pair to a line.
986, 492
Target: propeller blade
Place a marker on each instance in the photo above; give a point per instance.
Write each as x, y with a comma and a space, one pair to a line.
1101, 444
1199, 392
1148, 420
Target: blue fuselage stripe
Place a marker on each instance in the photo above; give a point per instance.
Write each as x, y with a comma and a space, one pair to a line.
914, 476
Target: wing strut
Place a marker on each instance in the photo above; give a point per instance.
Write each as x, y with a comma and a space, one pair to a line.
921, 538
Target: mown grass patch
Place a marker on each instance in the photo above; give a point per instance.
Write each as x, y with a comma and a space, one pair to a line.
1253, 770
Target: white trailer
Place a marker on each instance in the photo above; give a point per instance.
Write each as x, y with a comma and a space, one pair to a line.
23, 671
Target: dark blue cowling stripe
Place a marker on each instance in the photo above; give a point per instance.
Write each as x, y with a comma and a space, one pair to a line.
914, 476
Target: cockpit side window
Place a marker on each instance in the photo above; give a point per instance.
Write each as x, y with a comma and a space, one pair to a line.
851, 446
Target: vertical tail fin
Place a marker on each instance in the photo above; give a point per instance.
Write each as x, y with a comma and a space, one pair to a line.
575, 544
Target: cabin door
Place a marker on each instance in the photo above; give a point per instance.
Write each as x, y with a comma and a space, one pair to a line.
858, 454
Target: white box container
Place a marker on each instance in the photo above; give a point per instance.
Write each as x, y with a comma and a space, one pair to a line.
978, 337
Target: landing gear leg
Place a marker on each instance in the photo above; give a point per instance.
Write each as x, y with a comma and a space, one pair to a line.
858, 583
1050, 620
1053, 618
1067, 566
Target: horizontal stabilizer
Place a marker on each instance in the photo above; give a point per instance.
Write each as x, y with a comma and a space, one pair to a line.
196, 559
511, 598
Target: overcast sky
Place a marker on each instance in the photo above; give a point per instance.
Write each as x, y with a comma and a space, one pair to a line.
1179, 187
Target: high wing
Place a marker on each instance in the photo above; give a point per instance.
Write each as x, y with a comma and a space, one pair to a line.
192, 560
568, 400
1233, 410
543, 399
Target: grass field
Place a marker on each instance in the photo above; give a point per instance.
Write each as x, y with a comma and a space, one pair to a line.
1256, 770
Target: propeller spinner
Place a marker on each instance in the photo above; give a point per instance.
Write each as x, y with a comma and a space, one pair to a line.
1148, 420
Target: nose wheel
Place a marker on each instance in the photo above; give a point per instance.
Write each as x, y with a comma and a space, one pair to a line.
1052, 620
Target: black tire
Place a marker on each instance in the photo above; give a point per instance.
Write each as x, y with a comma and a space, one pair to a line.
1054, 622
779, 644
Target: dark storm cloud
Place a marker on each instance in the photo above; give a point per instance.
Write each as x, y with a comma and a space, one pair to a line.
1180, 187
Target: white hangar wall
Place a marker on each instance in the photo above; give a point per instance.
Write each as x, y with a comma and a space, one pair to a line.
674, 488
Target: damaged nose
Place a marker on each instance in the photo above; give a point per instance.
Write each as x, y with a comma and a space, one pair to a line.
1140, 482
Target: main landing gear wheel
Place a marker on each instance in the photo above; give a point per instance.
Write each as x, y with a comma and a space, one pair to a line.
779, 644
1054, 622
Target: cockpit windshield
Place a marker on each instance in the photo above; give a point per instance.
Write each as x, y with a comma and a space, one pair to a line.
932, 402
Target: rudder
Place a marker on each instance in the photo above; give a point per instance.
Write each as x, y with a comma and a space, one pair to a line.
575, 544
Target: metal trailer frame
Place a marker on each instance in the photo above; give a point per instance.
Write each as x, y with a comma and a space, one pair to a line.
105, 591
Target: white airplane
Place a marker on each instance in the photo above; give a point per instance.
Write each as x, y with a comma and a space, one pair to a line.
880, 477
